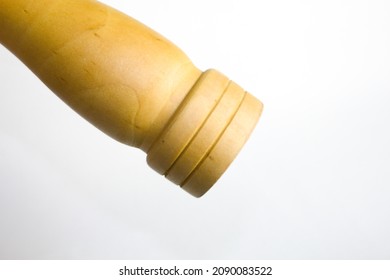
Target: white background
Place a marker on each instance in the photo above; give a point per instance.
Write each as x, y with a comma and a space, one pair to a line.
313, 181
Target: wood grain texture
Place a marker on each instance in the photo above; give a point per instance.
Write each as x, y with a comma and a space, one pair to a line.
134, 85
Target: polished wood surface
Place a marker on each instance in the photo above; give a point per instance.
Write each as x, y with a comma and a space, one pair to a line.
134, 85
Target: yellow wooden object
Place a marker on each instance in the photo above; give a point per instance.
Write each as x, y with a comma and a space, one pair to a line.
134, 85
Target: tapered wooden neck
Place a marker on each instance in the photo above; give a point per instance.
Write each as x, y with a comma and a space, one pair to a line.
114, 71
134, 85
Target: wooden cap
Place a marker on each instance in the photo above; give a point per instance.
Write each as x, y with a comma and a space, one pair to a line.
205, 134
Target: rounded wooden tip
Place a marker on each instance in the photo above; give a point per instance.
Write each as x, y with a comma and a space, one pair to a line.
205, 134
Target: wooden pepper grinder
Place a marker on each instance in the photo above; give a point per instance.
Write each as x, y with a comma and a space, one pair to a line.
134, 85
